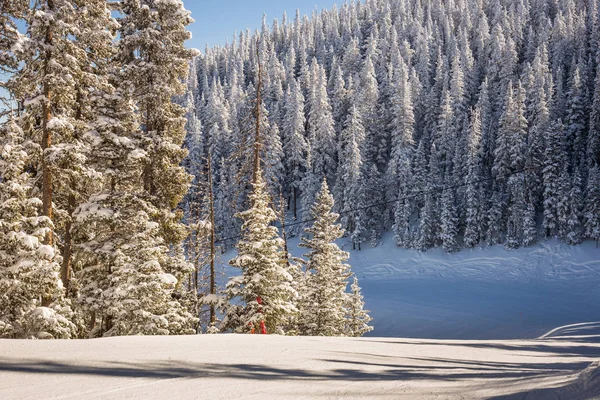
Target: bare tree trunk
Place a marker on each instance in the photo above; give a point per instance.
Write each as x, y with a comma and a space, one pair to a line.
92, 321
47, 210
286, 253
67, 265
295, 198
257, 112
213, 287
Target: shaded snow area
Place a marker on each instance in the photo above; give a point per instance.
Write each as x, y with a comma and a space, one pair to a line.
481, 293
275, 367
489, 293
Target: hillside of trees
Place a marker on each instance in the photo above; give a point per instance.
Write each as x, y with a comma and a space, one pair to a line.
93, 240
452, 123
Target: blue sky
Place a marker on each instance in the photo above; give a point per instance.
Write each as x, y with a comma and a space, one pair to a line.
217, 20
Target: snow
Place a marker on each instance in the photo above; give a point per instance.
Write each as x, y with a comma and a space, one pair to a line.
28, 241
481, 293
59, 123
210, 299
263, 367
168, 279
44, 313
487, 298
46, 252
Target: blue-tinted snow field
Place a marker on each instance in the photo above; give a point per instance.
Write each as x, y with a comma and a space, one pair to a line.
481, 293
489, 293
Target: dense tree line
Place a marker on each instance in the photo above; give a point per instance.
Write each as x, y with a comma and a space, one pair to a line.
90, 176
455, 124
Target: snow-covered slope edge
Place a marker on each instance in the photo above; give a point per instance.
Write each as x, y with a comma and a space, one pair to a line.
548, 261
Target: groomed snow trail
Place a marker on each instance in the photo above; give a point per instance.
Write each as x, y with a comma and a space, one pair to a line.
275, 367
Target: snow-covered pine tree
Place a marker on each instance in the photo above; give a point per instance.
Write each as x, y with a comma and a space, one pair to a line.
151, 50
357, 317
264, 291
554, 162
324, 298
295, 147
472, 235
32, 302
538, 118
348, 180
51, 88
517, 189
593, 141
371, 194
573, 225
11, 41
367, 99
310, 185
577, 115
430, 214
321, 130
402, 139
449, 220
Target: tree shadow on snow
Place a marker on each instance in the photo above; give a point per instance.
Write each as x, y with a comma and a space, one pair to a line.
582, 350
349, 370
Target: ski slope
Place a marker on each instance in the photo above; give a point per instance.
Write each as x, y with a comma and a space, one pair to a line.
275, 367
528, 322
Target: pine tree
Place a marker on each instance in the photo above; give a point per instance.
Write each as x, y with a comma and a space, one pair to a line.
264, 288
11, 41
553, 189
349, 171
32, 302
449, 221
324, 312
152, 49
358, 318
473, 231
321, 130
294, 143
576, 117
575, 210
367, 98
429, 221
593, 141
402, 139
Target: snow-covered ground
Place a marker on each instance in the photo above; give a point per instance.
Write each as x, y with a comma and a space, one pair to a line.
433, 297
275, 367
482, 293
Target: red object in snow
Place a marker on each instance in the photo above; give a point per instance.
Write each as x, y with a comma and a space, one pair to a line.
263, 328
